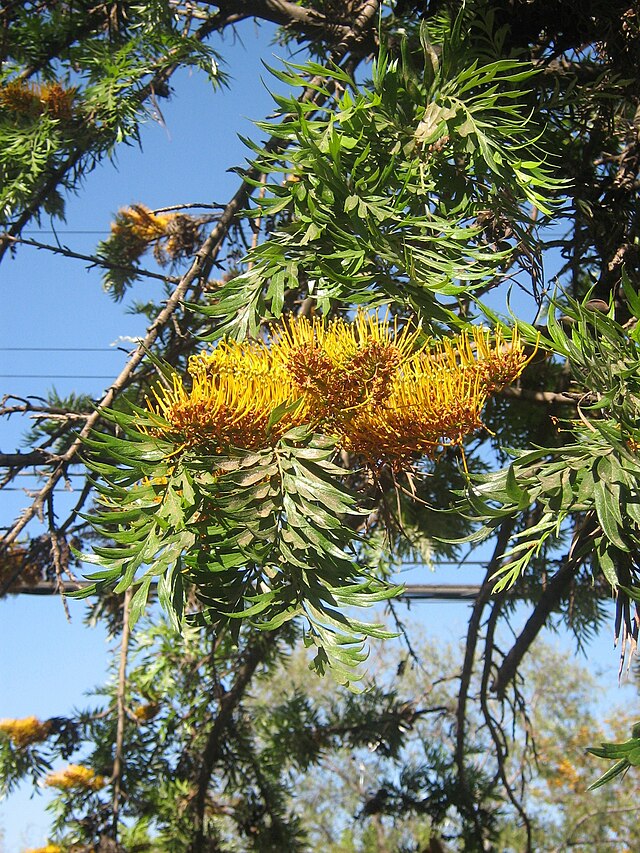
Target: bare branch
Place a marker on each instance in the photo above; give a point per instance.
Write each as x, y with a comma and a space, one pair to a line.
121, 709
473, 630
94, 260
549, 599
253, 656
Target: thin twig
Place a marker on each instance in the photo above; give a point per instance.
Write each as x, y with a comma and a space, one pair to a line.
121, 709
94, 260
473, 630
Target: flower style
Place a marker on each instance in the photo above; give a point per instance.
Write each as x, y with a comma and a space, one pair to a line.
25, 731
498, 361
75, 776
219, 411
429, 407
438, 398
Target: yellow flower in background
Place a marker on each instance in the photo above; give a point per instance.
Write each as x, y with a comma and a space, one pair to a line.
141, 222
75, 776
48, 848
25, 731
145, 713
365, 382
33, 99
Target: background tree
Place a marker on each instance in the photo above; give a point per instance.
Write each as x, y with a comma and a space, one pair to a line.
486, 134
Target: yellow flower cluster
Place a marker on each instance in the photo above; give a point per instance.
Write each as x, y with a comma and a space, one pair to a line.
75, 776
26, 731
135, 228
145, 713
33, 99
566, 775
366, 382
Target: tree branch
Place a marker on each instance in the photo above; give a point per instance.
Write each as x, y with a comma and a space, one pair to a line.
549, 599
253, 657
199, 271
121, 710
473, 630
94, 260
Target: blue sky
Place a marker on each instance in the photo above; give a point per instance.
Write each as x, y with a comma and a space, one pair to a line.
48, 664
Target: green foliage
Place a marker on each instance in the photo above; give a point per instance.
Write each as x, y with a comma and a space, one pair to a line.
108, 65
588, 481
626, 755
383, 188
264, 537
423, 187
310, 766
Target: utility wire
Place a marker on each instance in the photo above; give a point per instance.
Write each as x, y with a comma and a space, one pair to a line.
49, 376
61, 349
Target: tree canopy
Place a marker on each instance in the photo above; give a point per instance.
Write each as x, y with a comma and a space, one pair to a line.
356, 360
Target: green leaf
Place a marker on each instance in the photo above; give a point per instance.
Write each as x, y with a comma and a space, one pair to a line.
139, 601
620, 767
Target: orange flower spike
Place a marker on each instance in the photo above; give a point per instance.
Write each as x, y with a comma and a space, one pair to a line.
29, 99
341, 366
75, 776
141, 223
220, 410
249, 360
58, 101
434, 402
19, 97
499, 361
25, 731
503, 363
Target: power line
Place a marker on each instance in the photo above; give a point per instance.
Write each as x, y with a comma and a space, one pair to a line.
417, 592
60, 349
50, 376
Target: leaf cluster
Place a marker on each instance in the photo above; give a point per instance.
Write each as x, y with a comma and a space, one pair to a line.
625, 753
588, 481
262, 537
386, 190
105, 65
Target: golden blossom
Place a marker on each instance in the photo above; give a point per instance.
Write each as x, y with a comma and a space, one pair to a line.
26, 731
341, 366
75, 776
33, 99
173, 235
364, 382
219, 411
